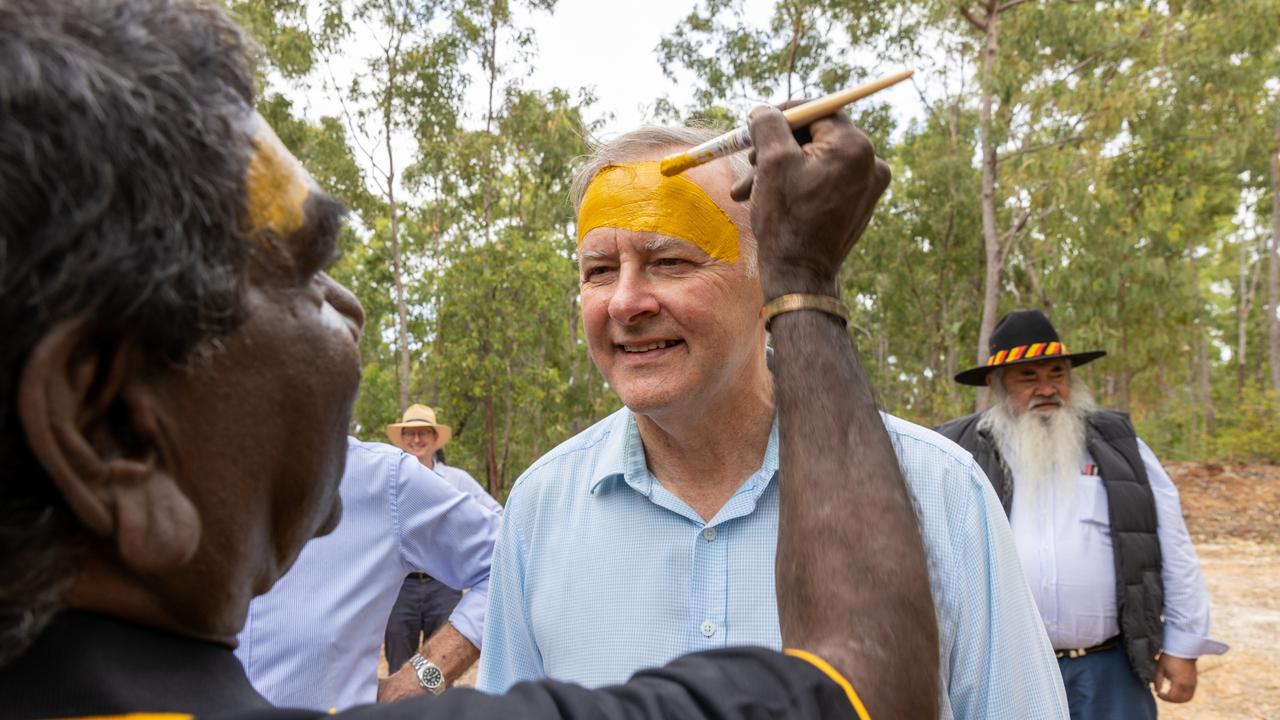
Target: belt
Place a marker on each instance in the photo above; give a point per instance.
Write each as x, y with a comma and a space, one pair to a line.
420, 576
1081, 652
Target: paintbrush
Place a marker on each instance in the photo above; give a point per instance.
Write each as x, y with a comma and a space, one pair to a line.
798, 116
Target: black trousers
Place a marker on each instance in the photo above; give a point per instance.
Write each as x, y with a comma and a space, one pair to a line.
423, 606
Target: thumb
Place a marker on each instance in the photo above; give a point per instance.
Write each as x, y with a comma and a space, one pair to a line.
1159, 682
771, 134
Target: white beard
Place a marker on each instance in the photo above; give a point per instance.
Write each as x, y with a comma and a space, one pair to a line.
1043, 449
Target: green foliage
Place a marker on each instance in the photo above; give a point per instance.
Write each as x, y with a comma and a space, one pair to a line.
1133, 193
1248, 433
1129, 136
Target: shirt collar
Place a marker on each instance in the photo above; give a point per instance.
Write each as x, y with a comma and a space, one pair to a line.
623, 459
613, 455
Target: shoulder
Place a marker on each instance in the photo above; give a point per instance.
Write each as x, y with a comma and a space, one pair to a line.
943, 478
571, 464
373, 452
367, 460
922, 447
1112, 423
953, 429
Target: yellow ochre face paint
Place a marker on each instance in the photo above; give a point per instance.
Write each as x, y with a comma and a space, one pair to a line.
638, 197
276, 185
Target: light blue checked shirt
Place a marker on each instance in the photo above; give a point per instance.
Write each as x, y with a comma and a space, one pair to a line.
313, 641
599, 571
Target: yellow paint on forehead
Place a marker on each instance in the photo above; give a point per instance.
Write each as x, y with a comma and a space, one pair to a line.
276, 185
638, 197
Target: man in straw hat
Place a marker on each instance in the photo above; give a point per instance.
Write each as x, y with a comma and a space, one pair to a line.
425, 603
177, 379
676, 494
1097, 522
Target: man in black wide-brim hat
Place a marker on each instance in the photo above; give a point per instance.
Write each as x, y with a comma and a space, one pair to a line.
1097, 523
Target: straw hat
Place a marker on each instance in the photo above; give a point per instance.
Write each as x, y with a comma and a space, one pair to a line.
420, 416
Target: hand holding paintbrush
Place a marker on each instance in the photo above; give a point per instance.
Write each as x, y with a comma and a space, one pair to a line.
798, 117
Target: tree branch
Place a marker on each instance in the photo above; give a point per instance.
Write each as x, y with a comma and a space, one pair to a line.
980, 25
1009, 5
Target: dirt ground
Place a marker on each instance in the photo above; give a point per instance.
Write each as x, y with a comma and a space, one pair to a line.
1233, 513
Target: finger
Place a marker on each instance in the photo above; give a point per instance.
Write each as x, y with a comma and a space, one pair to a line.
837, 122
1158, 681
741, 190
801, 134
880, 177
771, 136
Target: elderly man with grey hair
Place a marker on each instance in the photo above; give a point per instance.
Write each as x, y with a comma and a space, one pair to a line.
1097, 522
653, 533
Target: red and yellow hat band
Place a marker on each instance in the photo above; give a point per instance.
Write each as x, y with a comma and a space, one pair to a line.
1027, 352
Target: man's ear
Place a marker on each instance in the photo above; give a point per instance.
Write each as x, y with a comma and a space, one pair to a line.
90, 419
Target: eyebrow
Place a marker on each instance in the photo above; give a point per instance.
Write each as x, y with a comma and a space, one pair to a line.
593, 254
662, 242
319, 233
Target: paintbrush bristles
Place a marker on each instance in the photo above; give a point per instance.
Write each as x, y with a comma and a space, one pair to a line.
798, 117
677, 164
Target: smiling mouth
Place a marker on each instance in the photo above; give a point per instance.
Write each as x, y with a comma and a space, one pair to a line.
648, 347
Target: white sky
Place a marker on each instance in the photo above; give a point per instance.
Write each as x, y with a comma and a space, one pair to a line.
606, 46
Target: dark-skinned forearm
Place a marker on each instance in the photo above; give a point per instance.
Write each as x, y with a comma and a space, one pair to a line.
852, 584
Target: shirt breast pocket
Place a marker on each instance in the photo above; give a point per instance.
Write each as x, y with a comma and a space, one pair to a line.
1092, 508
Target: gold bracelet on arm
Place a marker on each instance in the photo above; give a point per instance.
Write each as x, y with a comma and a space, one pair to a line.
803, 301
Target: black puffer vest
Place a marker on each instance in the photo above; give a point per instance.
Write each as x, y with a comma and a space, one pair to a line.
1132, 509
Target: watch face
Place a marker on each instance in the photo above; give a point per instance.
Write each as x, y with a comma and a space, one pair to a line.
432, 677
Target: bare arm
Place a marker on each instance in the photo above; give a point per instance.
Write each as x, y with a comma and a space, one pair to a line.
447, 648
851, 574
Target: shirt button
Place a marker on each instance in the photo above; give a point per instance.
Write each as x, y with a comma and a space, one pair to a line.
708, 628
709, 534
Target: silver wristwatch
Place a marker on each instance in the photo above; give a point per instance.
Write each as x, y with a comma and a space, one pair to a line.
430, 677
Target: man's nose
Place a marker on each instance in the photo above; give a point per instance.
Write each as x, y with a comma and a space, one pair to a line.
346, 303
633, 297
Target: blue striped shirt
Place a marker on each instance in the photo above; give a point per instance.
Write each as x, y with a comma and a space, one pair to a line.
600, 571
314, 640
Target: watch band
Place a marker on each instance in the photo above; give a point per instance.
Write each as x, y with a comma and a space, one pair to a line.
430, 677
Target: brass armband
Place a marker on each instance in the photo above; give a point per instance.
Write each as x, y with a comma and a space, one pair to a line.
803, 301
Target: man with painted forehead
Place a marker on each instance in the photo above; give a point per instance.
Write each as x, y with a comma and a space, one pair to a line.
168, 328
654, 532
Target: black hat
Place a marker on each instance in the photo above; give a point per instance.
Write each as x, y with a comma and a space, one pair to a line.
1023, 336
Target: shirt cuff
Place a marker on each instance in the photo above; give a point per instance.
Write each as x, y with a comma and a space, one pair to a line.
468, 617
836, 677
1189, 646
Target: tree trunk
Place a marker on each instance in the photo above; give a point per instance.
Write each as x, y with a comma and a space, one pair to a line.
1243, 301
397, 265
492, 479
1273, 272
990, 231
1202, 384
1204, 388
491, 64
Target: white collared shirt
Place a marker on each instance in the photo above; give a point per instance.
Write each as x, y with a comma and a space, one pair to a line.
1064, 542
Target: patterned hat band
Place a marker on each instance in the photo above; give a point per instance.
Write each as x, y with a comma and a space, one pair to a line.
1027, 352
